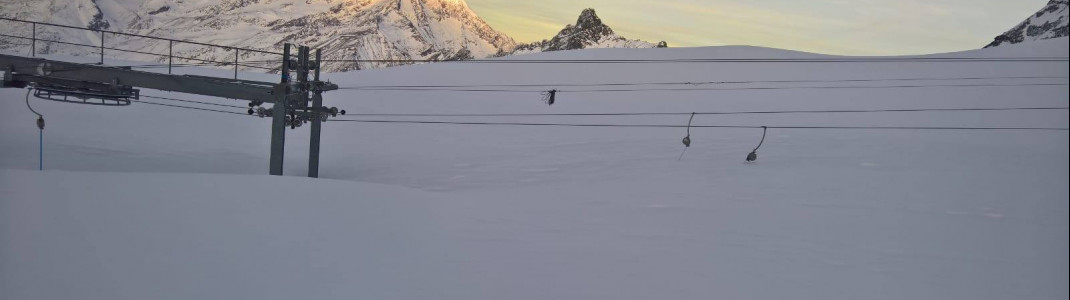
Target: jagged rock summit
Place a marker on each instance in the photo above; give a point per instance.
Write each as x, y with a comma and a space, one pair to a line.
1050, 22
588, 32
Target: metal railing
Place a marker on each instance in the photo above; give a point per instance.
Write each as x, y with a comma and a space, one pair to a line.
170, 46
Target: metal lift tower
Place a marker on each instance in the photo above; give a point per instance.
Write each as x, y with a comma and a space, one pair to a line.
291, 98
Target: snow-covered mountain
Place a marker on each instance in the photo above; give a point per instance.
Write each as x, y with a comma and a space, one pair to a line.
344, 29
1049, 22
588, 32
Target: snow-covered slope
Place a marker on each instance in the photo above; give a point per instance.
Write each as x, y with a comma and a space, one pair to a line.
1052, 21
345, 30
588, 32
193, 236
416, 211
362, 30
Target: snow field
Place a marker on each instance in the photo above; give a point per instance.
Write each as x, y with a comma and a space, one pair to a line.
152, 202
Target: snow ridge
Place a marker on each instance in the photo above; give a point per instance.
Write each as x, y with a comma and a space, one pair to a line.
1050, 22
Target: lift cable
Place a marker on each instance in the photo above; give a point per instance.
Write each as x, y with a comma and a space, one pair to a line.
695, 83
706, 89
701, 126
193, 101
191, 107
715, 60
640, 125
708, 113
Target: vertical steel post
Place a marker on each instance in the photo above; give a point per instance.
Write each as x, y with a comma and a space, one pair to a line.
33, 41
302, 81
170, 55
235, 63
102, 47
302, 74
278, 115
317, 112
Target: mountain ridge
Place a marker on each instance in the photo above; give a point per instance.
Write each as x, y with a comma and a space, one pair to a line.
1049, 22
364, 31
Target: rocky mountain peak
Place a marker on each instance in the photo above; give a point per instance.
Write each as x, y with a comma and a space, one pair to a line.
589, 19
588, 32
1050, 22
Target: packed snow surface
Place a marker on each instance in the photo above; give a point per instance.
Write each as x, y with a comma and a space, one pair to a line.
150, 202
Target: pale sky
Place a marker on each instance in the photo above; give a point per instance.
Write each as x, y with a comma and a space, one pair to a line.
855, 27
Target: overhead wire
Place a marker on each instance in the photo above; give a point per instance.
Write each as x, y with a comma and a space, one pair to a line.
648, 125
700, 60
708, 113
701, 89
193, 101
698, 126
719, 60
207, 63
828, 111
698, 83
1037, 59
426, 122
190, 107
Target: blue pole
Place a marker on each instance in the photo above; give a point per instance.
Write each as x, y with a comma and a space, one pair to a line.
41, 150
40, 133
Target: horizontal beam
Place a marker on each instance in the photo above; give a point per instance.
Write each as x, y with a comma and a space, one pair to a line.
21, 80
198, 85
